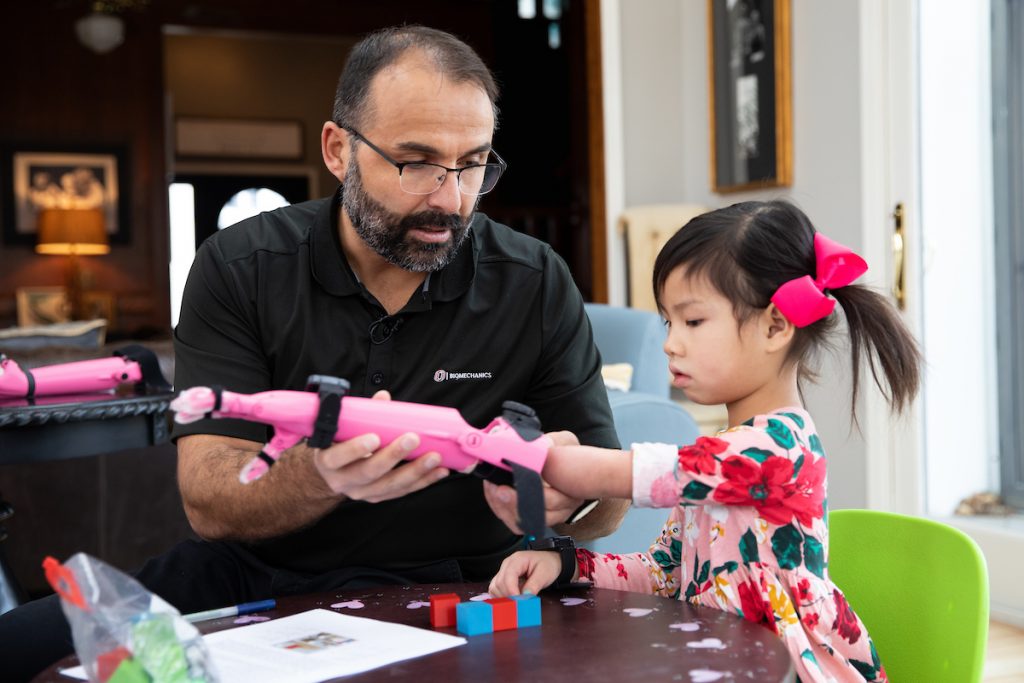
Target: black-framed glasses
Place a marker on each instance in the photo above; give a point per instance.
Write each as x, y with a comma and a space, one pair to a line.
420, 177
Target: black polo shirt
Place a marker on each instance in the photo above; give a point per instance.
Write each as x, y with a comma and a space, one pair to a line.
273, 300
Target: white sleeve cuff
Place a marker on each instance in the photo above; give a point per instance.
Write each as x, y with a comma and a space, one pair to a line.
650, 462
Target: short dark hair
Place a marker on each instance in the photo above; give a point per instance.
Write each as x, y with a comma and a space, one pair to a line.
379, 50
748, 250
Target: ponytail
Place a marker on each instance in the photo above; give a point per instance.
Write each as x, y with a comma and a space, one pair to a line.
878, 334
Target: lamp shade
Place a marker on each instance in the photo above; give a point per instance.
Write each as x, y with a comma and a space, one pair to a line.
72, 231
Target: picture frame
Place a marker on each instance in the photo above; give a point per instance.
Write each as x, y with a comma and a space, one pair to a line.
42, 306
750, 73
34, 177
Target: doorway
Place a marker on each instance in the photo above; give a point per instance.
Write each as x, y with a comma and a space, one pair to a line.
215, 195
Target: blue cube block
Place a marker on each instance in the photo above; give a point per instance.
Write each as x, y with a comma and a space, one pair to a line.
473, 618
527, 610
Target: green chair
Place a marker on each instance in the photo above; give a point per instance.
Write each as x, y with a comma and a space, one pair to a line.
921, 588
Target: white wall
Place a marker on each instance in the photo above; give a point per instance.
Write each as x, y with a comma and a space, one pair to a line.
663, 61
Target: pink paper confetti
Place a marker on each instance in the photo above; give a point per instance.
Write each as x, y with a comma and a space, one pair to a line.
638, 611
250, 619
416, 604
685, 626
572, 602
352, 604
707, 644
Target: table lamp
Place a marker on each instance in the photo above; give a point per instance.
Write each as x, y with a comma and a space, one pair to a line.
72, 233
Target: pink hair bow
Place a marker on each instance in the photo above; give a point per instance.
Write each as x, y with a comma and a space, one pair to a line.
803, 299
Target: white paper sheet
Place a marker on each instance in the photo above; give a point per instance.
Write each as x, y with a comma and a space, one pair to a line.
313, 646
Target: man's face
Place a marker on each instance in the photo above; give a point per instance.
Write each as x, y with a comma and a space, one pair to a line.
392, 235
416, 114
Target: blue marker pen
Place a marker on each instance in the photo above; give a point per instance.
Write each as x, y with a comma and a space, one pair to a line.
244, 608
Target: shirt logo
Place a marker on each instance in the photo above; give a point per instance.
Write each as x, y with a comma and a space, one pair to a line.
444, 375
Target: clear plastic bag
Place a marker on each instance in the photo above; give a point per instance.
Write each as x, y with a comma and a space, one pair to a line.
122, 632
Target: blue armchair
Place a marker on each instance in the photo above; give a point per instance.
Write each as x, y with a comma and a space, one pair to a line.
645, 412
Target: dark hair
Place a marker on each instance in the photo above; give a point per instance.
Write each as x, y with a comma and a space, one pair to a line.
748, 250
379, 50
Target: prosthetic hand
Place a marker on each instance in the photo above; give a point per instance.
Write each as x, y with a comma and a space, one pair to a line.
135, 364
510, 441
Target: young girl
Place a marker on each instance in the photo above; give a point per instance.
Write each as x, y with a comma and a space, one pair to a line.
747, 293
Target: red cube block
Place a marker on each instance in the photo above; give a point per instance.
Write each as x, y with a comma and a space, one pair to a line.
504, 611
442, 609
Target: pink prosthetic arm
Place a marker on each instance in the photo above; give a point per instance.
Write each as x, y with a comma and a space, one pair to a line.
130, 364
295, 415
511, 449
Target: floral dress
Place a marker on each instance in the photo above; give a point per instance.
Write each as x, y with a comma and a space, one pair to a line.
748, 534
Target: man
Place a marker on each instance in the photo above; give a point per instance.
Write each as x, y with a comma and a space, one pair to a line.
398, 286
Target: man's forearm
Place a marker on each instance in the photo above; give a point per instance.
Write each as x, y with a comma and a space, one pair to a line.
292, 495
602, 520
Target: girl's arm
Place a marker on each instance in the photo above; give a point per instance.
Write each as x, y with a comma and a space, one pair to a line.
763, 465
587, 472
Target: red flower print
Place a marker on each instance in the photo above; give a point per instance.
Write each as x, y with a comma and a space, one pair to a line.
699, 458
585, 562
811, 619
803, 591
807, 495
763, 486
846, 621
622, 571
755, 607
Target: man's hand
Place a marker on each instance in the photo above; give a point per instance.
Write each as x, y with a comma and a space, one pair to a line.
557, 506
361, 470
504, 503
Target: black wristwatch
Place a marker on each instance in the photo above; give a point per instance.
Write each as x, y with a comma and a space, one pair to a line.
566, 549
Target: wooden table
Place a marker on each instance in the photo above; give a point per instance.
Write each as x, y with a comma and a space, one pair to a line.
609, 636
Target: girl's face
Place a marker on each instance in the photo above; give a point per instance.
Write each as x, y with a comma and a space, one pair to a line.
713, 358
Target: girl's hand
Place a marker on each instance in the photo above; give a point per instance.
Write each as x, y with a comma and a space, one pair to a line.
526, 571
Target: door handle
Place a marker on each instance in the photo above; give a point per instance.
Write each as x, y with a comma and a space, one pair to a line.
899, 259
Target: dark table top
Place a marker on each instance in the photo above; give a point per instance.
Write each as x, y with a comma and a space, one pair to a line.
59, 427
608, 636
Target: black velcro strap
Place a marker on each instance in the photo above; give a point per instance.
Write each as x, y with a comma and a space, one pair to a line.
31, 391
152, 375
530, 494
266, 458
326, 425
218, 392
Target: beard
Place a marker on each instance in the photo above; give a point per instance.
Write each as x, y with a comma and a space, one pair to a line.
387, 233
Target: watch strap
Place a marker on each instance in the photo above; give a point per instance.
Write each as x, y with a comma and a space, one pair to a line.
565, 546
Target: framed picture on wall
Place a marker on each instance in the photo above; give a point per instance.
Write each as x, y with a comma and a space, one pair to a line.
751, 108
33, 179
42, 306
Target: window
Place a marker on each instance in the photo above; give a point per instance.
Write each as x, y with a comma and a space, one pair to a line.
1008, 175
